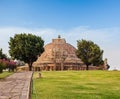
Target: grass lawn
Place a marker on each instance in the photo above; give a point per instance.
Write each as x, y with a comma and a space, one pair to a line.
77, 85
5, 74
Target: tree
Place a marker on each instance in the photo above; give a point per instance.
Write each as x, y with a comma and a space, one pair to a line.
89, 53
26, 47
2, 56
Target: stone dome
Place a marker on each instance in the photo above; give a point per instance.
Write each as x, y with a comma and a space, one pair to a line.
58, 52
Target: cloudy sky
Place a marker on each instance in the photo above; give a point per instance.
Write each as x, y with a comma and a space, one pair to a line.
96, 20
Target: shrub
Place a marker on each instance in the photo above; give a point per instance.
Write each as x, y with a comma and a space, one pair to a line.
2, 66
11, 66
6, 64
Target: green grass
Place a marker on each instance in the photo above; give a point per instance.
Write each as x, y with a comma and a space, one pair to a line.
5, 74
77, 85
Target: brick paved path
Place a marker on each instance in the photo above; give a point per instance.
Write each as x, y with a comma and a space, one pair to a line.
16, 86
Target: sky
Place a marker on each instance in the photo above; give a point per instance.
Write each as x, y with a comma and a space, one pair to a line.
95, 20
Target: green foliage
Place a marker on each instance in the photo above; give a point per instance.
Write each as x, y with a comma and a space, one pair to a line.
2, 66
89, 53
2, 56
26, 47
77, 85
108, 66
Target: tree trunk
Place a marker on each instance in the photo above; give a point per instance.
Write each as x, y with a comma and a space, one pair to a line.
1, 70
30, 67
87, 67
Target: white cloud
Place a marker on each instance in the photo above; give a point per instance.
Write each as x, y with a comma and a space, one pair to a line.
107, 38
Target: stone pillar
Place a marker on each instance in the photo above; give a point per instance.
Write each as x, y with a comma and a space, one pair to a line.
105, 64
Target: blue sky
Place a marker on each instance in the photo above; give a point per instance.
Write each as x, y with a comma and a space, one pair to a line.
61, 14
96, 20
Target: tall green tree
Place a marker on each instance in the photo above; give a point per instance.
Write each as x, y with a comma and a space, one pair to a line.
26, 47
89, 53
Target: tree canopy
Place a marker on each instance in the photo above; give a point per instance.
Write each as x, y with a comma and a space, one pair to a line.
26, 47
89, 53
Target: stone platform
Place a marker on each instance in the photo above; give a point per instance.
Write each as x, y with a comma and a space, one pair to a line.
16, 86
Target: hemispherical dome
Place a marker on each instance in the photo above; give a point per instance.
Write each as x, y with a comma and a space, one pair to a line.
58, 51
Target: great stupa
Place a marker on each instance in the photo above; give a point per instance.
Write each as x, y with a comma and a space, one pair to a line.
58, 55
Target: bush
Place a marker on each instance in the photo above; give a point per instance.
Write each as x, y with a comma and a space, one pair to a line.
2, 66
6, 64
12, 66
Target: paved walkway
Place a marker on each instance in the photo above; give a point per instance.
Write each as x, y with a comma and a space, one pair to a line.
16, 86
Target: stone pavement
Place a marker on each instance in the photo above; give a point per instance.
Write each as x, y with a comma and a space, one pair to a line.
16, 86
